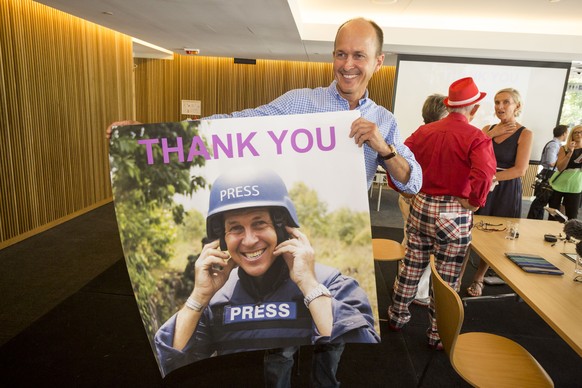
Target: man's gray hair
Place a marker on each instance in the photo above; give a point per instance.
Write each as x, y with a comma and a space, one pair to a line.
462, 110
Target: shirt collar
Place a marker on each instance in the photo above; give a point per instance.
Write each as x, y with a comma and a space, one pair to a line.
458, 116
334, 92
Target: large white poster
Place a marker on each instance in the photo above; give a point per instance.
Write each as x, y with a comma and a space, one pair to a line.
245, 234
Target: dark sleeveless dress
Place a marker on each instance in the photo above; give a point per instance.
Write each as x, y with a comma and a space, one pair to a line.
505, 199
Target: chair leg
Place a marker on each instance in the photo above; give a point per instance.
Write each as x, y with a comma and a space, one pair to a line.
379, 196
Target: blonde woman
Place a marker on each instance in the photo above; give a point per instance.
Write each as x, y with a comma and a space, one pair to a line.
512, 144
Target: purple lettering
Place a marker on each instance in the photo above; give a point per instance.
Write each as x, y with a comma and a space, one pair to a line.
294, 144
246, 143
331, 145
149, 152
179, 149
217, 143
278, 141
197, 148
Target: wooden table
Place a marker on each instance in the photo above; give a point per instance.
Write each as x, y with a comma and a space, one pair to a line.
557, 299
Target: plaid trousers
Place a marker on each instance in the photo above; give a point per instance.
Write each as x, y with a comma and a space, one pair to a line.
437, 225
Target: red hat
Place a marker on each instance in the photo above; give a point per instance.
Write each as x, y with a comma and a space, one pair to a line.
463, 92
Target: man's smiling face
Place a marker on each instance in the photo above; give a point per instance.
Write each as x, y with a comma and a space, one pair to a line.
355, 59
251, 239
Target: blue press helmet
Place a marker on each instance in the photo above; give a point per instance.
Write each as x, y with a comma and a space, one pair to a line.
248, 188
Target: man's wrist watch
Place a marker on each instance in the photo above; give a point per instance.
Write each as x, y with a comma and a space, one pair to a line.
392, 153
318, 291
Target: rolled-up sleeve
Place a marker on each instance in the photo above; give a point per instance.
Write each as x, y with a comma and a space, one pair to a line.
353, 320
414, 183
171, 358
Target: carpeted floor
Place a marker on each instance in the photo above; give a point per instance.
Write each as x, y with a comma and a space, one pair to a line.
95, 338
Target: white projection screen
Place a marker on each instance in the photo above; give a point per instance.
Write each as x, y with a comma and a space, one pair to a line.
541, 84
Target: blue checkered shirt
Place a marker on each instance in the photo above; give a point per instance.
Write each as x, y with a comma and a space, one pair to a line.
301, 101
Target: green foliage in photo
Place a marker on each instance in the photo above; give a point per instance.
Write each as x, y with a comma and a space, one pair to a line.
144, 203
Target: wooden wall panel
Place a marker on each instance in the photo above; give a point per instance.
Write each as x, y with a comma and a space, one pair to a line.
528, 180
225, 87
63, 80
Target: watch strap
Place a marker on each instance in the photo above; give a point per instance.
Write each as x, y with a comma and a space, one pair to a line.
318, 291
392, 153
194, 305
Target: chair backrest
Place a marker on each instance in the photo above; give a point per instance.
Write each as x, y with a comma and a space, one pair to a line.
449, 310
387, 250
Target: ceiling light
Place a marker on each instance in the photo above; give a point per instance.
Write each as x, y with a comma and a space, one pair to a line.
384, 2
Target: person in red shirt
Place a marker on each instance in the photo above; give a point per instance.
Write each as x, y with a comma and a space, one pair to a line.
433, 109
458, 166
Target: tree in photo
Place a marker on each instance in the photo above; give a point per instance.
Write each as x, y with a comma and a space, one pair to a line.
144, 202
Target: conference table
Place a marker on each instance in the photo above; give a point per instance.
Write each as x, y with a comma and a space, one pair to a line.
557, 299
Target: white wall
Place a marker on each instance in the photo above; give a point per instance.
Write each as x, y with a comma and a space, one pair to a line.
541, 85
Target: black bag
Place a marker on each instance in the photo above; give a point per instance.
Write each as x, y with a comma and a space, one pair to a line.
542, 187
542, 190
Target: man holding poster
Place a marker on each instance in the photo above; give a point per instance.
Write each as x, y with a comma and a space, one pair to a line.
279, 293
357, 56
